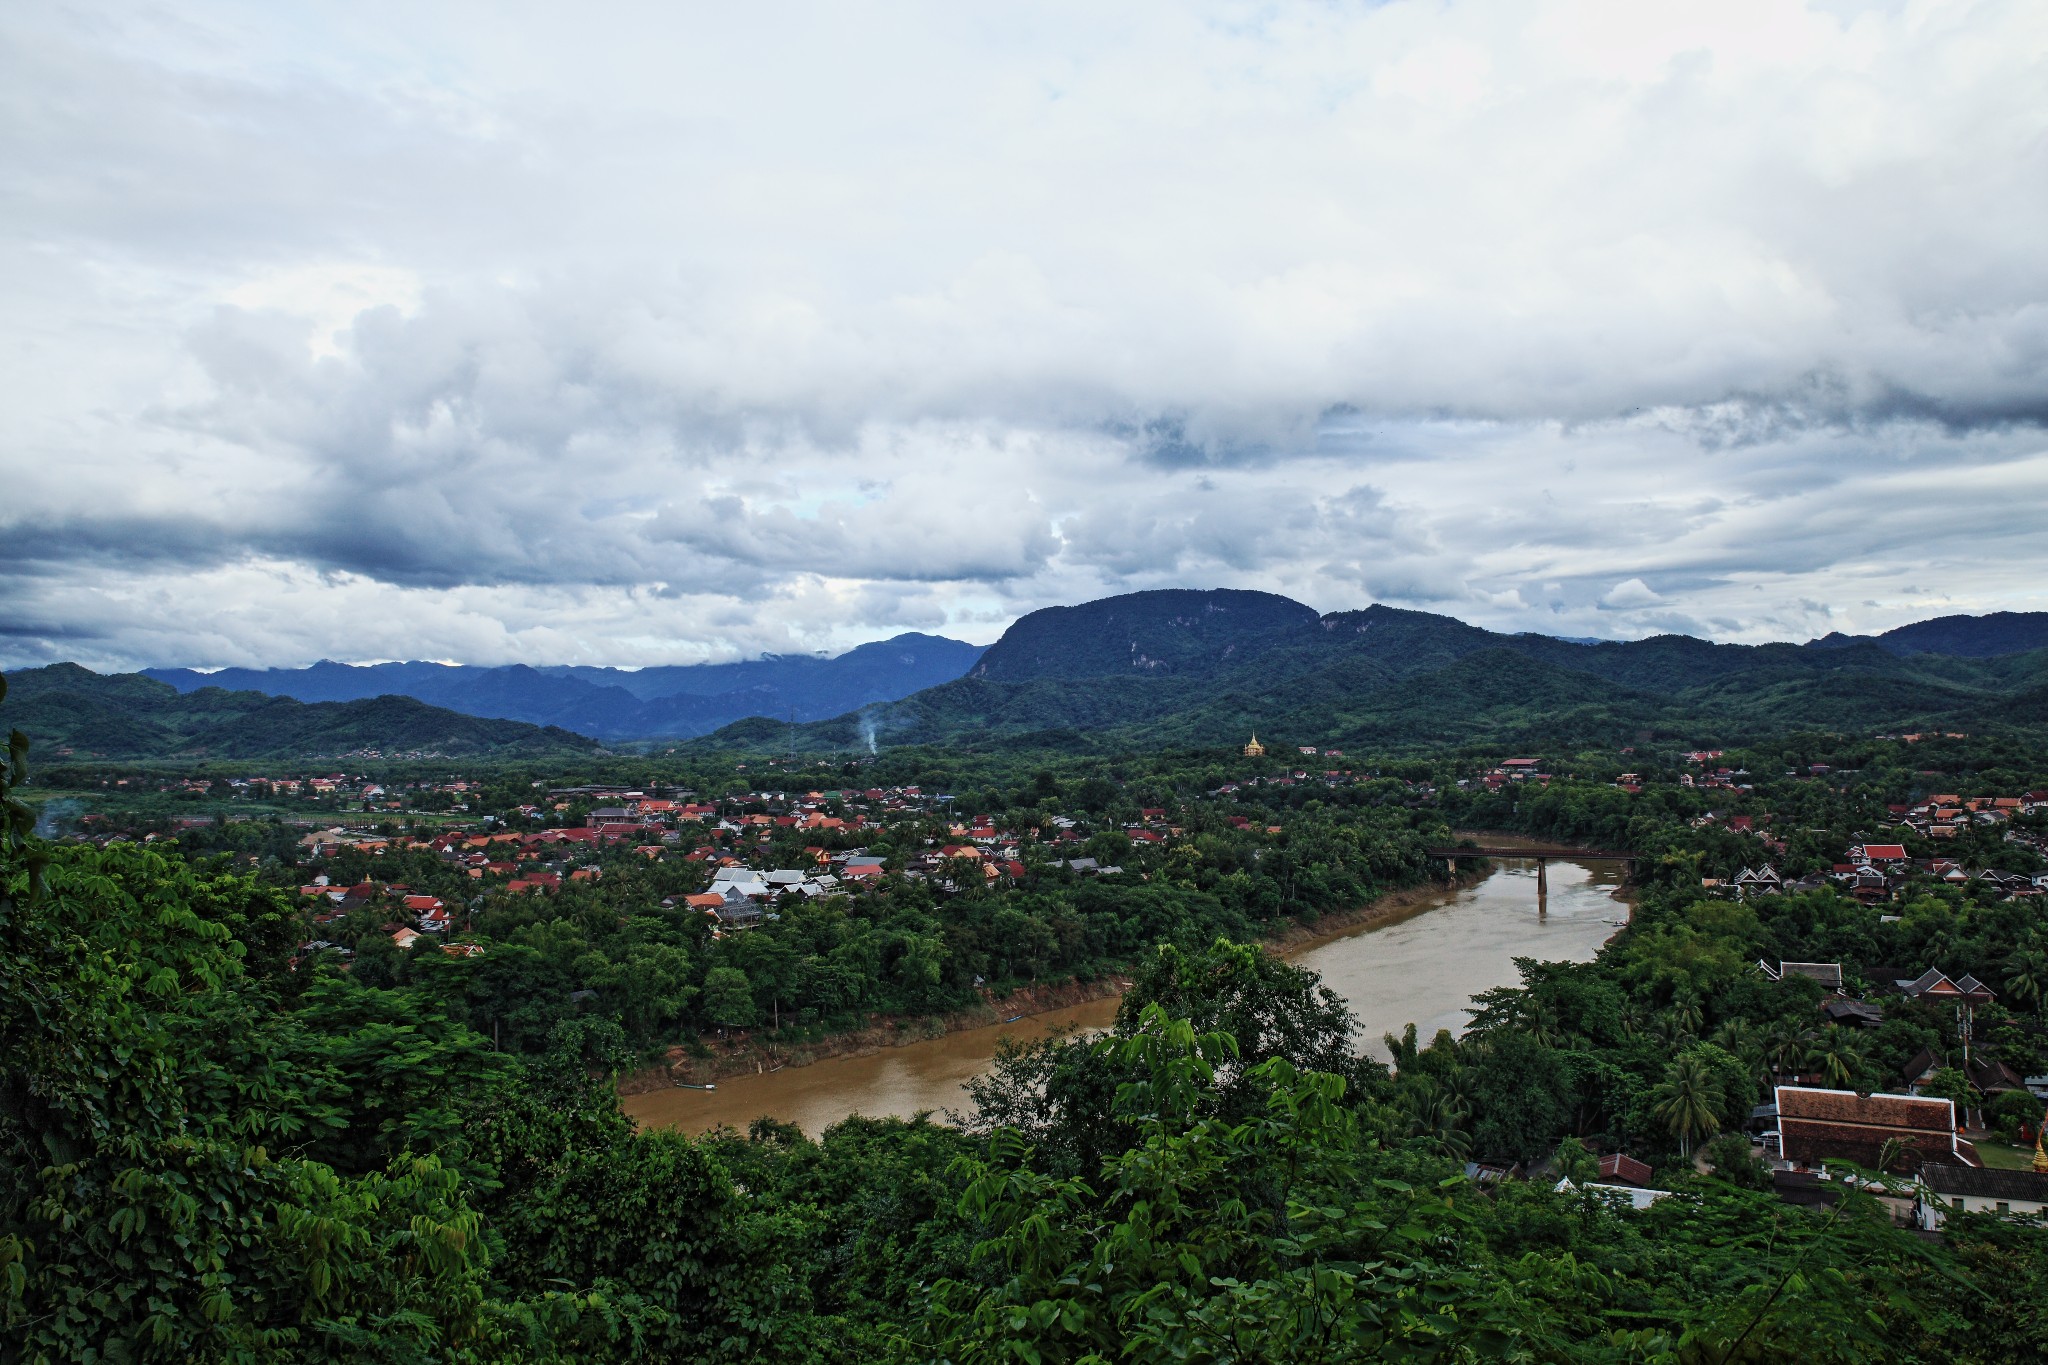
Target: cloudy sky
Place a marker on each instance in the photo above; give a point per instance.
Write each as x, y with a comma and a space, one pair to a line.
635, 333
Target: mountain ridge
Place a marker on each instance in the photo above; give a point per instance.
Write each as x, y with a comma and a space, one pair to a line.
1186, 667
71, 712
665, 701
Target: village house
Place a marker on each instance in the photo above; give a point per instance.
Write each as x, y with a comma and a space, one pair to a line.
1619, 1168
1618, 1196
1828, 974
1943, 1190
1935, 986
1758, 881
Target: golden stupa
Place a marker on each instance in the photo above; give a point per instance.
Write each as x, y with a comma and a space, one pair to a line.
1254, 749
2040, 1157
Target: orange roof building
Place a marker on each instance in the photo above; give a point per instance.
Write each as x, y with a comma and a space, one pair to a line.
1816, 1125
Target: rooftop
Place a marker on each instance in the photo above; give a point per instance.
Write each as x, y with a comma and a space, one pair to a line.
1985, 1182
1874, 1111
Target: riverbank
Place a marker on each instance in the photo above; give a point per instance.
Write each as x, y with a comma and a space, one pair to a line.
1296, 937
751, 1056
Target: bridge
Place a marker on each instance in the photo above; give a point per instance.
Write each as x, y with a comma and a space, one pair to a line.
1541, 855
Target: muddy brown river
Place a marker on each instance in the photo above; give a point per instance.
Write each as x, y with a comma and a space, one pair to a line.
1422, 967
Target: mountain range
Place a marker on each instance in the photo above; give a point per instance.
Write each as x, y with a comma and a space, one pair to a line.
73, 712
1171, 667
1211, 667
615, 703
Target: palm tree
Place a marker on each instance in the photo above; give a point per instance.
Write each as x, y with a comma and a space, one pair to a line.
1688, 1101
2026, 976
1541, 1023
1787, 1046
1434, 1114
1686, 1016
1837, 1057
1737, 1037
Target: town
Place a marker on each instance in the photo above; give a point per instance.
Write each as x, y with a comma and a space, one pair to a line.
790, 910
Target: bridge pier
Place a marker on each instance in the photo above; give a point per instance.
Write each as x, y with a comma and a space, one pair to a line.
1542, 856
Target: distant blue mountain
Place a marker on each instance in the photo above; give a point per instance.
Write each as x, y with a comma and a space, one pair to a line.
614, 703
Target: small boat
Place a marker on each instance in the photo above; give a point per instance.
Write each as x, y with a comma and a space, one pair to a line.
688, 1085
1013, 1019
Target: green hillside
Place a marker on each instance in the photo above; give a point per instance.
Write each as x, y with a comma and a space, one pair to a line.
69, 711
1161, 668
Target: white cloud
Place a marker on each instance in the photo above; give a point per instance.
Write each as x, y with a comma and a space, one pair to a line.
1630, 594
633, 331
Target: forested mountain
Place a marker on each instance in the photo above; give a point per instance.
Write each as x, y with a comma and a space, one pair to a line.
1185, 666
1212, 667
71, 711
619, 703
2002, 632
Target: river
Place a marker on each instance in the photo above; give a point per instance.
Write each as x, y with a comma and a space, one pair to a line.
1423, 966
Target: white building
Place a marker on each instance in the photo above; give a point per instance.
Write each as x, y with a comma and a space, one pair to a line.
1979, 1189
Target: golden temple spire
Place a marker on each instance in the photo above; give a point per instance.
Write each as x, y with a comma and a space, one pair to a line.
2040, 1157
1254, 749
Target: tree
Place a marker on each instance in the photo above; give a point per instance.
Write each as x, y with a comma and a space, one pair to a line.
1949, 1083
1734, 1161
1202, 1239
148, 1081
1688, 1101
2012, 1112
1838, 1058
729, 998
1575, 1163
1787, 1047
2026, 975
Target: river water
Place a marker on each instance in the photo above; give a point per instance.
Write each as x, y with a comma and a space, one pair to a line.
1422, 967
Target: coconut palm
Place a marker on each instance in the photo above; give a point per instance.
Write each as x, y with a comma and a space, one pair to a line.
1738, 1037
1541, 1022
1787, 1046
1688, 1101
1434, 1115
1837, 1057
1741, 1039
2026, 975
1686, 1016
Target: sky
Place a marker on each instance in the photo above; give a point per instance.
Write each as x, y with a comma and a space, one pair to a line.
653, 333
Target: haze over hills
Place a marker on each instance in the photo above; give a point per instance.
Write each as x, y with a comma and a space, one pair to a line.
1194, 667
72, 712
615, 703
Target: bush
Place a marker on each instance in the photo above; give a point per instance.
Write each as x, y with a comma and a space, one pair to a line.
1734, 1161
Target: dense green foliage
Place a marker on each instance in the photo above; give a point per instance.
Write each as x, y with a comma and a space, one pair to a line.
210, 1154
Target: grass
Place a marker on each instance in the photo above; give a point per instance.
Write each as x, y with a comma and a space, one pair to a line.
2000, 1157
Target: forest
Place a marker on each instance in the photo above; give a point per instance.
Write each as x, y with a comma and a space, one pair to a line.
218, 1149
